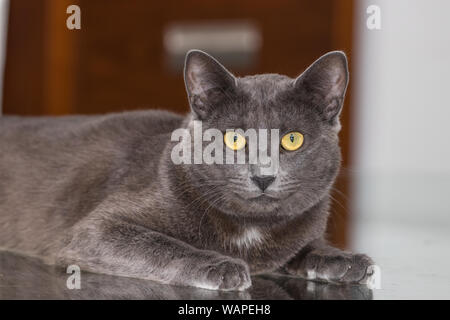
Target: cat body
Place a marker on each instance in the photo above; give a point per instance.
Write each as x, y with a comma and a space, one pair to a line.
103, 192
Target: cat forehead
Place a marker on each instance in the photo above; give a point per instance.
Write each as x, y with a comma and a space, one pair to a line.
265, 106
264, 86
268, 103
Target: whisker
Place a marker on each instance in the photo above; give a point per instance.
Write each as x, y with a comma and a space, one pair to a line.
211, 204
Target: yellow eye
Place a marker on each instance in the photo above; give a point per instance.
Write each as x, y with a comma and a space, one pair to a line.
292, 141
234, 140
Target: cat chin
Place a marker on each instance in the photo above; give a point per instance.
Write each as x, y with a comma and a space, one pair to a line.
259, 210
260, 219
255, 213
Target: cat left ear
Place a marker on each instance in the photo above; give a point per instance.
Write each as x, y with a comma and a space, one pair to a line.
325, 83
208, 83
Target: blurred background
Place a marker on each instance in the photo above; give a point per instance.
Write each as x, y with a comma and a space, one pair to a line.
392, 198
129, 54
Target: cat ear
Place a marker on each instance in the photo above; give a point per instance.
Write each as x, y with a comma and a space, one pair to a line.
325, 82
208, 83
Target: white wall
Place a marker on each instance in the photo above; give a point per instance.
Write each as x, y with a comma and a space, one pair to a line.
402, 83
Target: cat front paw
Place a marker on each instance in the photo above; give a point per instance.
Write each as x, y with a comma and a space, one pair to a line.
333, 266
227, 274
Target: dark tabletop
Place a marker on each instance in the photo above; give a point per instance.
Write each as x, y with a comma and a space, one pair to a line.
27, 278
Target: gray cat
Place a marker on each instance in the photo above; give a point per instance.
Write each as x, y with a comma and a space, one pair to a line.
102, 192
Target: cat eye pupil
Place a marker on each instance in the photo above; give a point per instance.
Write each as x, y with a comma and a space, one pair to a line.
292, 141
234, 140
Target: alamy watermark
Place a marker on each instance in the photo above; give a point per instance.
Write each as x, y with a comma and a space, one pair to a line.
374, 279
373, 21
74, 280
196, 146
74, 20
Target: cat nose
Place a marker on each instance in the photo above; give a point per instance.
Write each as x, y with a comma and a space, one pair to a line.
263, 181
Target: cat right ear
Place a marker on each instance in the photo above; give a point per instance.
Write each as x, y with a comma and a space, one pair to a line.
208, 83
325, 83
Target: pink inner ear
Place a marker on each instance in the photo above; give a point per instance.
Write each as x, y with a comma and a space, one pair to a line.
333, 107
197, 83
194, 80
203, 73
339, 80
338, 84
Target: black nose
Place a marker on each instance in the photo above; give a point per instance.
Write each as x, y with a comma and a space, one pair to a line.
263, 182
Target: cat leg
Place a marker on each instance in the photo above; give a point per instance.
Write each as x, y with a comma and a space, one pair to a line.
322, 262
125, 249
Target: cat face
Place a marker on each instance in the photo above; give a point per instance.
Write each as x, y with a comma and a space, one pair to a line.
305, 111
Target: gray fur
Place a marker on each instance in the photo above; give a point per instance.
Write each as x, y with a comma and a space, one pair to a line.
103, 193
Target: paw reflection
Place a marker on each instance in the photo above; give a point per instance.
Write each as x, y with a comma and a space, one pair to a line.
27, 278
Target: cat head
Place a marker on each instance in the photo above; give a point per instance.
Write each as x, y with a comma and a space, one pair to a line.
305, 110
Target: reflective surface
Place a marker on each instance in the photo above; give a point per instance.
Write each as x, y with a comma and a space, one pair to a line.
414, 259
27, 278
